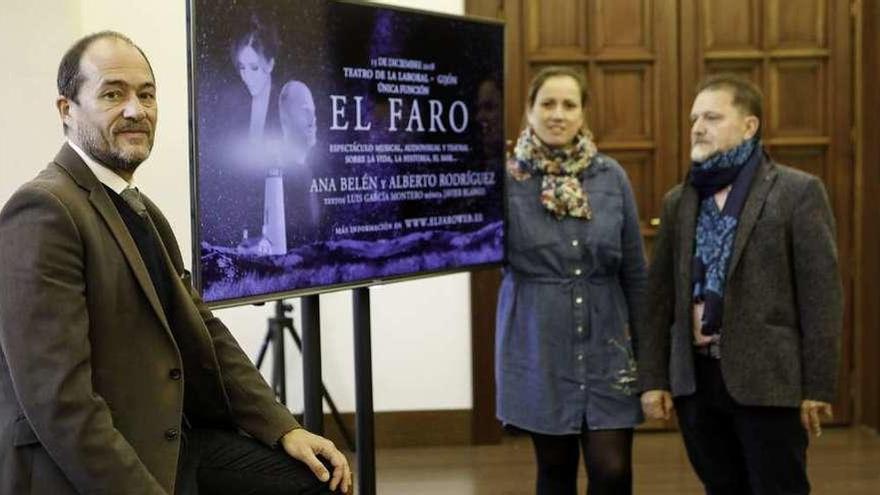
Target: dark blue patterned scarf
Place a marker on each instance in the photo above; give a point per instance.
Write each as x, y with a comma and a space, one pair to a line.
716, 229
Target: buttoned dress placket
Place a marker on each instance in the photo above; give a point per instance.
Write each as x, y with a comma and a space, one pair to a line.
576, 270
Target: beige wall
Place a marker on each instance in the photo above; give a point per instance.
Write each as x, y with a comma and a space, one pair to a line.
29, 130
421, 329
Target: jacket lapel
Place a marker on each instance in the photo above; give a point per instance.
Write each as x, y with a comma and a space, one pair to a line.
687, 221
70, 161
174, 268
192, 337
765, 176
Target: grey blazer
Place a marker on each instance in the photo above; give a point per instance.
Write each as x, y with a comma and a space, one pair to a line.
783, 302
92, 377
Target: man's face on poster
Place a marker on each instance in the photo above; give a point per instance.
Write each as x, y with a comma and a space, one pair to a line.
489, 107
298, 114
255, 70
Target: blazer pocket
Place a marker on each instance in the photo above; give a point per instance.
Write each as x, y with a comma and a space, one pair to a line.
781, 356
23, 434
781, 334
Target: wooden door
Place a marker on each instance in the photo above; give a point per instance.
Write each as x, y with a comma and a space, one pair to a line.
799, 53
643, 59
627, 50
866, 369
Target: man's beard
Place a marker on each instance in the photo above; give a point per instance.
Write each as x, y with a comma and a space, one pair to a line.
705, 155
99, 148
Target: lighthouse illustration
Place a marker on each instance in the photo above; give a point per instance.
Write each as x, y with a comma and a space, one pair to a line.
274, 221
297, 114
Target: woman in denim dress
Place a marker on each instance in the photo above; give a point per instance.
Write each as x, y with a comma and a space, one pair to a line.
572, 296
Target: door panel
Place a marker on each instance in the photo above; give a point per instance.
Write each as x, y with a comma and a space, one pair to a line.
556, 28
800, 24
730, 24
796, 86
622, 28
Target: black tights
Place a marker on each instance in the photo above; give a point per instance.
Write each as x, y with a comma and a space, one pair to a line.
607, 456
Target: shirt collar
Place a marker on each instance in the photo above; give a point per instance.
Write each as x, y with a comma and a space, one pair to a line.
106, 176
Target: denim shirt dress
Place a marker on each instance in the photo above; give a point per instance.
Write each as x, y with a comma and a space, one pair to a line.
571, 299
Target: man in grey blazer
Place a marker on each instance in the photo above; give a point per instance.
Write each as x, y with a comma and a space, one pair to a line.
114, 375
745, 306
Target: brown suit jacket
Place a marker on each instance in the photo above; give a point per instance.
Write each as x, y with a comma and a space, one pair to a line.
92, 378
783, 302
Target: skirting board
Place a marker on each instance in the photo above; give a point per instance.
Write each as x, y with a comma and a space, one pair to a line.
410, 428
429, 428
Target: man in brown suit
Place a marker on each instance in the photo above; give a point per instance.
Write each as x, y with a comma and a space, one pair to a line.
114, 375
745, 304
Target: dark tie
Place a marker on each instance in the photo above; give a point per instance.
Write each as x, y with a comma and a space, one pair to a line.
133, 197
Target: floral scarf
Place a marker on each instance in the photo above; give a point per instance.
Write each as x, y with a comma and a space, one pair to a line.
716, 229
561, 190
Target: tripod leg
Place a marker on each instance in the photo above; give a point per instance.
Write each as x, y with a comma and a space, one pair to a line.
279, 382
295, 337
263, 347
337, 418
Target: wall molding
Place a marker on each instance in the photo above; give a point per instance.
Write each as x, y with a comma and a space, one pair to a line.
410, 428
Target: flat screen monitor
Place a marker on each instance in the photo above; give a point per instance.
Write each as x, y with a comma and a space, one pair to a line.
340, 144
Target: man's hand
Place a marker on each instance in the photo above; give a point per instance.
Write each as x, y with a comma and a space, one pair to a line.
657, 404
305, 447
810, 411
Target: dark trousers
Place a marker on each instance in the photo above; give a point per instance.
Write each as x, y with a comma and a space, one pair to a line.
741, 450
220, 462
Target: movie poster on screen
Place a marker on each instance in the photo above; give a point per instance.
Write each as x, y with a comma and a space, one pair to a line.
339, 143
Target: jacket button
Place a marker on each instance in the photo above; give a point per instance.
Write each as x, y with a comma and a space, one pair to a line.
175, 374
171, 434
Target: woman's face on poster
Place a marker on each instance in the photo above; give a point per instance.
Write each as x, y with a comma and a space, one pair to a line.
254, 69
